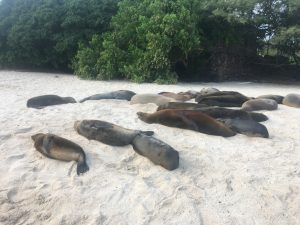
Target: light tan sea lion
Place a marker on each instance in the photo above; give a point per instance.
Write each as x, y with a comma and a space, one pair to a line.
42, 101
177, 97
292, 100
151, 98
187, 119
259, 104
59, 148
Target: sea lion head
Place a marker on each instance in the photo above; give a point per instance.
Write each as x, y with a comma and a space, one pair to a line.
69, 99
37, 136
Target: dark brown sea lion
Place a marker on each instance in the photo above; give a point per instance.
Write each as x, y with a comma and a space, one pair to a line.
154, 149
223, 99
179, 97
180, 105
106, 132
259, 104
42, 101
247, 127
157, 151
277, 98
56, 147
292, 100
120, 94
187, 119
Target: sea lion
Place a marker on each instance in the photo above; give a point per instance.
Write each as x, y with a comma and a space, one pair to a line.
179, 97
208, 90
277, 98
247, 127
220, 112
56, 147
106, 132
259, 104
121, 95
180, 105
292, 100
42, 101
157, 151
151, 98
223, 99
187, 119
191, 93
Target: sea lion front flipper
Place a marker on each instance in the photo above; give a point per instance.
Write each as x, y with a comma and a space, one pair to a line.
190, 123
82, 167
47, 144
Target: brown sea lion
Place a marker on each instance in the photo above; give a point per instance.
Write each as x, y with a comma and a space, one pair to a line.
120, 95
179, 97
151, 98
56, 147
223, 99
292, 100
259, 104
107, 133
154, 149
187, 119
42, 101
180, 105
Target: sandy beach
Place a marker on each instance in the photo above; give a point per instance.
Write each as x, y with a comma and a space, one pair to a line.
239, 180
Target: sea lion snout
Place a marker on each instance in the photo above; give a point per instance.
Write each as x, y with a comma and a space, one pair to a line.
36, 136
141, 115
76, 124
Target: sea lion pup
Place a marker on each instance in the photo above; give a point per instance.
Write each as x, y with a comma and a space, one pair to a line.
107, 133
187, 119
259, 104
42, 101
223, 99
157, 151
180, 105
292, 100
219, 112
121, 95
247, 127
277, 98
151, 98
179, 97
56, 147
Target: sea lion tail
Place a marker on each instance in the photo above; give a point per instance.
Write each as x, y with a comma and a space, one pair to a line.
147, 133
82, 167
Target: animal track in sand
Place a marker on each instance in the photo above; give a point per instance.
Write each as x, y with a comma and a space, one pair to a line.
23, 130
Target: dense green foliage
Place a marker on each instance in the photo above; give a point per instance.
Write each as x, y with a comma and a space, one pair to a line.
150, 40
45, 34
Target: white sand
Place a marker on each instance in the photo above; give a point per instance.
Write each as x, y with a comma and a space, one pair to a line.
221, 181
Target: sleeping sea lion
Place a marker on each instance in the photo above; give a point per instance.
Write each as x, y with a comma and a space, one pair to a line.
151, 98
187, 119
208, 90
121, 95
56, 147
157, 151
277, 98
292, 100
180, 105
179, 97
106, 132
223, 99
42, 101
248, 127
259, 104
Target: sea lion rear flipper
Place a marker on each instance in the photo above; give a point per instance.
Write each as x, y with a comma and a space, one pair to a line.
83, 100
82, 167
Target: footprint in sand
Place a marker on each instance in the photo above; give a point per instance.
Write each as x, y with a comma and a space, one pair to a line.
12, 195
4, 137
13, 158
